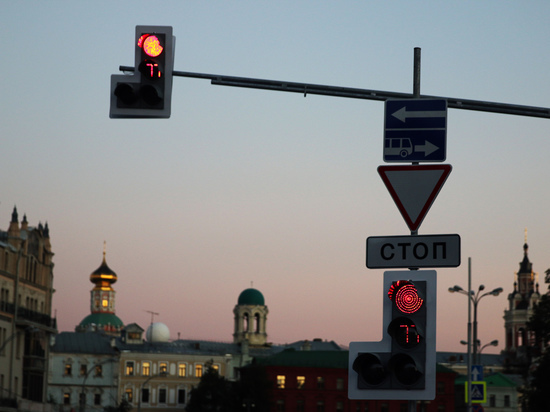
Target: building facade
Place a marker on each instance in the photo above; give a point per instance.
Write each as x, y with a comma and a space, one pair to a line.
520, 343
317, 381
83, 372
26, 322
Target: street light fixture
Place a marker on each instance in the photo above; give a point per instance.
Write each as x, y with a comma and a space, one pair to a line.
475, 297
478, 343
161, 375
82, 400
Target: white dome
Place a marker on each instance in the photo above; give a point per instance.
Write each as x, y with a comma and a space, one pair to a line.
157, 332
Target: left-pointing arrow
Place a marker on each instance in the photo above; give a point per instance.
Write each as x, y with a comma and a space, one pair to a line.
402, 114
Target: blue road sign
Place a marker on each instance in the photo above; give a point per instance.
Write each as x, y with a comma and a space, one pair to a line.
477, 372
479, 392
415, 130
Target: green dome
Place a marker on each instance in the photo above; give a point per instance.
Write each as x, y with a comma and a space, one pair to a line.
101, 320
251, 297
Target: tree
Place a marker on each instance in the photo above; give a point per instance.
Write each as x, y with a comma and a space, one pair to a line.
214, 393
254, 388
535, 395
540, 320
123, 406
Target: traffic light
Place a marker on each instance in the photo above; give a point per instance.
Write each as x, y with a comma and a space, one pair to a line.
147, 93
402, 364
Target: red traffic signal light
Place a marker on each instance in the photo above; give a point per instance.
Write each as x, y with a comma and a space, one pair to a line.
402, 364
150, 44
405, 296
147, 93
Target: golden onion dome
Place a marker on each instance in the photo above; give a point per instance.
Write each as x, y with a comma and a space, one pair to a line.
103, 274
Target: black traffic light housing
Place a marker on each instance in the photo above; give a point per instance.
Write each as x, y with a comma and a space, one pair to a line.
402, 364
147, 93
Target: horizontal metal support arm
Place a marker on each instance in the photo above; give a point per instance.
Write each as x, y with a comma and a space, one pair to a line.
366, 94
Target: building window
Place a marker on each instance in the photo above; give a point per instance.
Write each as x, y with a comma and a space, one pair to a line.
83, 370
280, 405
441, 408
163, 368
162, 395
129, 393
181, 396
339, 406
340, 384
129, 368
281, 381
98, 371
198, 370
300, 382
320, 382
440, 387
182, 370
320, 406
145, 368
66, 398
492, 401
300, 405
97, 399
68, 369
507, 401
145, 395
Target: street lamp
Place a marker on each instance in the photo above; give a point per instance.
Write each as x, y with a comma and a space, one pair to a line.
492, 343
475, 297
82, 400
478, 343
161, 374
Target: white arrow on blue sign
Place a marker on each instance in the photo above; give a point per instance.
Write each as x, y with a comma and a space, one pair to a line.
477, 372
415, 130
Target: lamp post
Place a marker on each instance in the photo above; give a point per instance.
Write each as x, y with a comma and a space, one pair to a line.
161, 374
473, 299
82, 400
492, 343
478, 343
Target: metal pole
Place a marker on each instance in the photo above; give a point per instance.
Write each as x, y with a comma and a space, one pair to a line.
416, 94
469, 371
475, 342
416, 80
354, 93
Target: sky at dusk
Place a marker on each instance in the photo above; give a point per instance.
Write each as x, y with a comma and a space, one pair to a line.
277, 190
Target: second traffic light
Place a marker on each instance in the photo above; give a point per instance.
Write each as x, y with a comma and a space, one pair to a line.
402, 364
148, 92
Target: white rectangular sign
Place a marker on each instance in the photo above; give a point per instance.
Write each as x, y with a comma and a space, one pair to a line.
423, 251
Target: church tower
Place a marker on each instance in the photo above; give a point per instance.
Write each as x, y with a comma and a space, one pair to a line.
102, 303
250, 318
521, 301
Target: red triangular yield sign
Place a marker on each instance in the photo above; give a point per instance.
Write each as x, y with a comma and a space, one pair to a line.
414, 189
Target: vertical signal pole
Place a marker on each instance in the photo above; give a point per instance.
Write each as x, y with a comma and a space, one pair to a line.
416, 95
416, 80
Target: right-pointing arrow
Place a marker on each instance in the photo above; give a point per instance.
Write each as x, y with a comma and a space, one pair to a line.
428, 148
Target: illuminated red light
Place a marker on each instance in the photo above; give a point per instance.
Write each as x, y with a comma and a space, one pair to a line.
150, 45
405, 296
